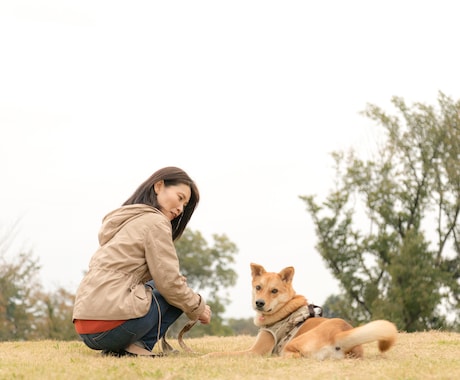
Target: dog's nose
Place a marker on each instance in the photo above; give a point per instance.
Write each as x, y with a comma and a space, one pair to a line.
260, 304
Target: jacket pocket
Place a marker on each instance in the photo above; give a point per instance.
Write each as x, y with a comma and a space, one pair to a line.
140, 292
141, 299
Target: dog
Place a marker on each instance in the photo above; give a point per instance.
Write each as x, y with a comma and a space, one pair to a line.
290, 327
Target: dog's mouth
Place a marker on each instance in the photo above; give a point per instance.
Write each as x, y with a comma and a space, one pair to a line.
262, 309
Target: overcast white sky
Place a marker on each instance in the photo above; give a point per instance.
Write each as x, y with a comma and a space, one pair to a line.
249, 97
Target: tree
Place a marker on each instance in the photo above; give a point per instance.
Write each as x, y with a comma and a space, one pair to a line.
405, 265
243, 326
19, 304
208, 270
55, 320
26, 311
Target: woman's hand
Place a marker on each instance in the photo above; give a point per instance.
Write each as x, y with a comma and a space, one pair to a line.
205, 317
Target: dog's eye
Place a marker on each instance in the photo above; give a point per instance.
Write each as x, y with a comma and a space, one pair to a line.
274, 291
258, 287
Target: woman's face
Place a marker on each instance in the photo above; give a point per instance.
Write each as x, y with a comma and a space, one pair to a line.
172, 199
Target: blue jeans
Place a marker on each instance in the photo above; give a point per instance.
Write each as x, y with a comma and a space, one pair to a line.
146, 330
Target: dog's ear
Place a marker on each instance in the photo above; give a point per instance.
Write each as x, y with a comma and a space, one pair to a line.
287, 274
257, 270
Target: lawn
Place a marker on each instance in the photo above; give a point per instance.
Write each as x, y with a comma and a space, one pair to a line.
424, 355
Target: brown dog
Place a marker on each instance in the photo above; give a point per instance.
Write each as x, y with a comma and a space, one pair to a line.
288, 327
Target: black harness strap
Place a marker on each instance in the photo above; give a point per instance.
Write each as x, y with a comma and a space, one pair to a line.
315, 311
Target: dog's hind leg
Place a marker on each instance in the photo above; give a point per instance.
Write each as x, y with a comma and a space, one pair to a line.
303, 345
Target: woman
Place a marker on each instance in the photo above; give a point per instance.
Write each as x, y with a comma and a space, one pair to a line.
133, 290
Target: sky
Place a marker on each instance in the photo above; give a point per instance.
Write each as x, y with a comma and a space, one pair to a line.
248, 97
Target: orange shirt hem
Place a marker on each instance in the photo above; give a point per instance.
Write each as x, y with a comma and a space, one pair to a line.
88, 326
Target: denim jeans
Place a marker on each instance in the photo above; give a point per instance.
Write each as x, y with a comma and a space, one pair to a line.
146, 330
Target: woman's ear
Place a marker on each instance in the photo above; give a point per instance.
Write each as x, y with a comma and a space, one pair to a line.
158, 186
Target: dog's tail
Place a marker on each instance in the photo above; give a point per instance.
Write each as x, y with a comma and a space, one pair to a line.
382, 331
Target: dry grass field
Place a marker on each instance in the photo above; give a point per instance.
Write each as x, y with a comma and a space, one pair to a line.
425, 355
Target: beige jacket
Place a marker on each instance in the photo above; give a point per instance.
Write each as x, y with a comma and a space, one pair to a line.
135, 246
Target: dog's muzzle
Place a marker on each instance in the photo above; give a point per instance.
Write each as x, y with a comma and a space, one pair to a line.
260, 304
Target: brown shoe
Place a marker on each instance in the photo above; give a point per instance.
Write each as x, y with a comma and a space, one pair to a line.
134, 349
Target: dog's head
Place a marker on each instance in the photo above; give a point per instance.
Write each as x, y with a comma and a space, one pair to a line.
271, 291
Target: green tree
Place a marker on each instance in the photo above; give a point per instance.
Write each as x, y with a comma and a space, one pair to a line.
389, 229
55, 319
208, 270
26, 311
19, 304
243, 326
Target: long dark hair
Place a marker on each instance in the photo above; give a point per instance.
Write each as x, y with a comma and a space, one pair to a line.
145, 194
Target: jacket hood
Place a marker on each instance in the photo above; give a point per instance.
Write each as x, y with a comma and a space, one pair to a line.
115, 220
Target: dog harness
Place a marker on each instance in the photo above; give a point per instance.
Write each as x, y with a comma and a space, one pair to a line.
283, 331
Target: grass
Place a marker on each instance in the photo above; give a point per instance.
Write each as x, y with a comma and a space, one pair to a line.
424, 355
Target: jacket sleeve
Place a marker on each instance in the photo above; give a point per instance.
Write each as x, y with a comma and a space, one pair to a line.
163, 264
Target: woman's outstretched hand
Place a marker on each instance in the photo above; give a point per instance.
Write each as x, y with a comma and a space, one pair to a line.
205, 317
